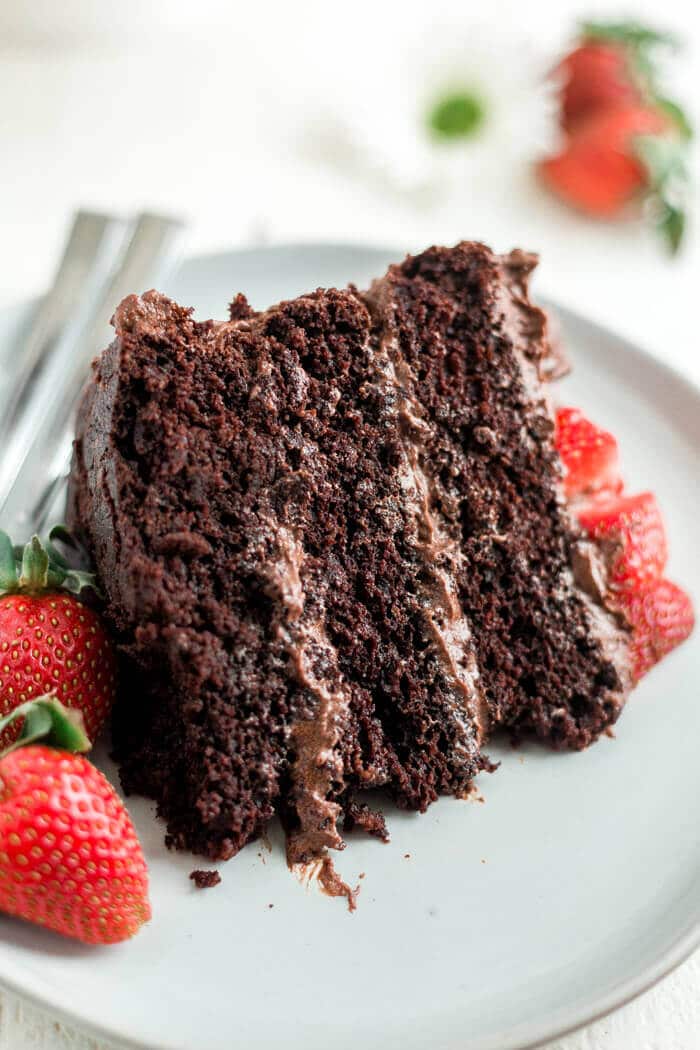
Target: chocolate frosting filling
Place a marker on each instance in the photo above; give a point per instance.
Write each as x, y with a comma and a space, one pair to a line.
317, 764
439, 552
527, 327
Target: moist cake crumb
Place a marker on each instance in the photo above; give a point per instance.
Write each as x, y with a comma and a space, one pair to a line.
203, 880
335, 553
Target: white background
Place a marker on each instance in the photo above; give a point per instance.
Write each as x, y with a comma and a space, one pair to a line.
205, 110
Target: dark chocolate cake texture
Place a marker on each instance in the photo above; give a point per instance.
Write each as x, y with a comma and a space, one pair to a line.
336, 551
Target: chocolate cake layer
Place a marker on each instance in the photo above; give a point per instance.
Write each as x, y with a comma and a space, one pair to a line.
474, 355
335, 550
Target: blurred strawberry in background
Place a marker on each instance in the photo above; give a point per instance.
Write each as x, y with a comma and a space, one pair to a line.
599, 170
595, 76
625, 143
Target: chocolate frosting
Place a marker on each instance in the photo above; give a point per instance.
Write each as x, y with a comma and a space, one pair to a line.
440, 553
590, 570
317, 765
442, 557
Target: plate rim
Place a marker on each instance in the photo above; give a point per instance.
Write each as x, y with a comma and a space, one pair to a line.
534, 1034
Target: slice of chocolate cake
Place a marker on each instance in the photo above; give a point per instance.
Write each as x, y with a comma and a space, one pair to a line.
473, 352
336, 551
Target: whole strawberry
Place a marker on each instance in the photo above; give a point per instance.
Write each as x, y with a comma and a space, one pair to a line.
69, 856
49, 640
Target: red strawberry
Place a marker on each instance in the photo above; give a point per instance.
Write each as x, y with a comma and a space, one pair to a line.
69, 856
598, 171
661, 616
588, 453
634, 528
625, 140
49, 640
595, 76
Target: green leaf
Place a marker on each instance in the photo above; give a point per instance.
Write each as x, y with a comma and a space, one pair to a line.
631, 34
457, 115
641, 43
74, 580
8, 565
666, 161
664, 157
37, 724
677, 115
60, 533
63, 534
38, 566
46, 720
671, 225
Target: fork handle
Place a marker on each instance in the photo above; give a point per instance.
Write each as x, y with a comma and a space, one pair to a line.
40, 443
89, 249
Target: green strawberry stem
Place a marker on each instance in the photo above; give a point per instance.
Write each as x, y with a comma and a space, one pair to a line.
39, 567
630, 34
47, 721
34, 576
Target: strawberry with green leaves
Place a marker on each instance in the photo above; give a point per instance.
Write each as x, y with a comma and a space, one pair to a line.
50, 641
613, 66
69, 856
625, 142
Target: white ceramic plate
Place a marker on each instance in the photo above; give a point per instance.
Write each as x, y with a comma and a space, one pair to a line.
488, 927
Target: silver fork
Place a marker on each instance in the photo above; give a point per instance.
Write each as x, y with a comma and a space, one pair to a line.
36, 455
89, 251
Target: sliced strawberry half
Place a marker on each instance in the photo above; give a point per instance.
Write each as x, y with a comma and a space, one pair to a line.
589, 454
633, 528
661, 616
599, 171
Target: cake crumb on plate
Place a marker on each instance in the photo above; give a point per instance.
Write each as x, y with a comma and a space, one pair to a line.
204, 879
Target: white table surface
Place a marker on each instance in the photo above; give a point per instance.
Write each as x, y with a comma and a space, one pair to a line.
204, 110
